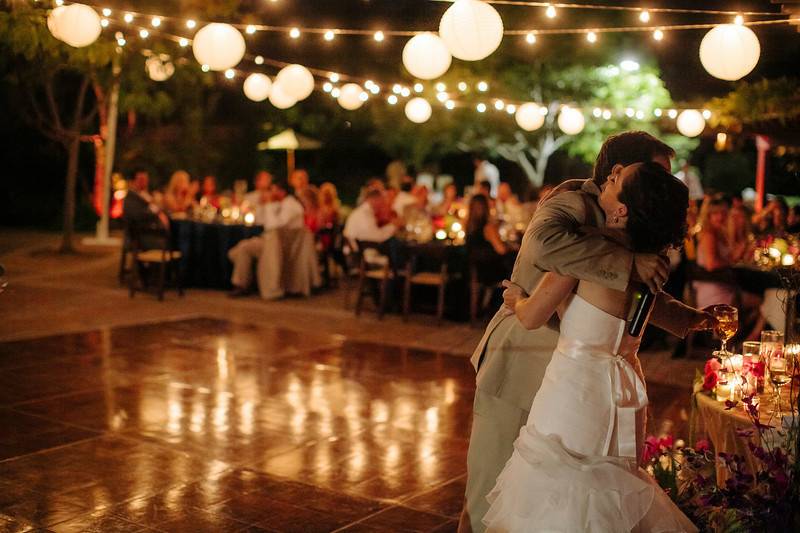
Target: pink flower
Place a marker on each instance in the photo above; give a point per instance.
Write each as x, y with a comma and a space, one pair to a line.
650, 449
666, 443
712, 365
702, 446
710, 381
758, 369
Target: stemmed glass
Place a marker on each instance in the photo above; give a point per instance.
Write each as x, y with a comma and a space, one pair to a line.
727, 323
779, 375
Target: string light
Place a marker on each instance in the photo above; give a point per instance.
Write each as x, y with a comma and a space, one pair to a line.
106, 12
405, 92
657, 112
205, 68
483, 86
374, 89
396, 88
59, 3
530, 38
191, 24
335, 92
550, 12
259, 60
156, 22
511, 109
607, 114
658, 35
644, 16
121, 41
639, 114
629, 112
230, 74
128, 18
392, 99
597, 112
104, 23
499, 105
294, 33
363, 96
462, 86
442, 97
329, 35
441, 86
334, 77
591, 37
250, 30
706, 114
378, 36
418, 87
144, 34
449, 104
738, 20
481, 107
672, 113
327, 86
183, 42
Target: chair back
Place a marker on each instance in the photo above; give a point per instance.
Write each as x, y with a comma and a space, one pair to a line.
148, 236
430, 257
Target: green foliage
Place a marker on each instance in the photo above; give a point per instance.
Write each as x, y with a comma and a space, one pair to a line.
775, 99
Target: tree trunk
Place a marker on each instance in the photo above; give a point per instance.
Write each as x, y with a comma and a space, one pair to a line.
70, 185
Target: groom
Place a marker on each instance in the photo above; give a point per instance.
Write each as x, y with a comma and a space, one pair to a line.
509, 369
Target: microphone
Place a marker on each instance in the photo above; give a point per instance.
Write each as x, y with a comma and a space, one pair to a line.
641, 306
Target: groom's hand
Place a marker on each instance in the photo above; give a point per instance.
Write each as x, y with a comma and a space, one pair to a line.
703, 319
652, 270
511, 296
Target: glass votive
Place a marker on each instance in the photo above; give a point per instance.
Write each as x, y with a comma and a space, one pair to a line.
750, 352
724, 386
733, 362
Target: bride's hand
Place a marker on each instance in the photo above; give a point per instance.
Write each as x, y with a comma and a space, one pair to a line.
511, 296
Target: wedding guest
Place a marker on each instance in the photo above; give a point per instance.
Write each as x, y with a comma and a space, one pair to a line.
178, 197
208, 192
486, 172
404, 197
309, 197
484, 245
420, 194
372, 183
299, 181
507, 204
139, 206
328, 205
739, 231
772, 219
262, 182
450, 203
280, 210
365, 224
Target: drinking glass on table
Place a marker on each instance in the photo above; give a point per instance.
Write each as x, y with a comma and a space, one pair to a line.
727, 323
779, 375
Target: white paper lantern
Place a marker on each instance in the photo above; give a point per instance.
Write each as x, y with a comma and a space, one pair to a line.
296, 80
53, 19
350, 96
426, 56
691, 123
220, 46
257, 87
280, 98
159, 67
730, 51
78, 25
418, 110
571, 121
529, 116
471, 29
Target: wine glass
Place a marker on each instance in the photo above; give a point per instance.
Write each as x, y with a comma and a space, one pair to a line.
727, 324
779, 376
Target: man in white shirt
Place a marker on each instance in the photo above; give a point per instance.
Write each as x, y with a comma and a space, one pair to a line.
262, 182
404, 198
486, 171
279, 210
508, 206
362, 224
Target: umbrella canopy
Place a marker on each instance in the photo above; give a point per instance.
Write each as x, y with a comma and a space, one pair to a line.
289, 140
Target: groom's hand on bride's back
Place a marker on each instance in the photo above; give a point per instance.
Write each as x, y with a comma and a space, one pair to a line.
652, 270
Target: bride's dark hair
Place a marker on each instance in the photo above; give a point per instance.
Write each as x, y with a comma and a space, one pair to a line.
657, 203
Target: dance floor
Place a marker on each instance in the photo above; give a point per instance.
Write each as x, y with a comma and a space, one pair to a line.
209, 425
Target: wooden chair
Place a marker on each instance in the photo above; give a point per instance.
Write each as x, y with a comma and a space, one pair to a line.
151, 247
330, 252
477, 289
436, 278
377, 267
125, 254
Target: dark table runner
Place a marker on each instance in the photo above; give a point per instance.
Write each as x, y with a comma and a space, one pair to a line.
204, 248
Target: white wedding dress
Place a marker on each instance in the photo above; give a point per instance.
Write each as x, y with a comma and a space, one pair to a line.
574, 465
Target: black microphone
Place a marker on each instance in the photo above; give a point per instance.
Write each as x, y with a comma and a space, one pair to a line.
640, 310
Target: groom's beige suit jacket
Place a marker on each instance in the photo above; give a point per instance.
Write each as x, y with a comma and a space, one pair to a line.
509, 362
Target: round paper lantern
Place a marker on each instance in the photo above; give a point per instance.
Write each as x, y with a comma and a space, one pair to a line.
220, 46
418, 110
571, 121
350, 96
471, 29
426, 56
280, 98
78, 25
159, 67
691, 123
529, 116
729, 51
53, 19
296, 80
256, 87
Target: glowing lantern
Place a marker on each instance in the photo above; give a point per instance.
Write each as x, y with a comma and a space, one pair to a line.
350, 96
426, 56
571, 121
296, 80
529, 116
77, 25
220, 46
159, 67
691, 123
471, 29
729, 51
256, 87
279, 98
52, 21
418, 110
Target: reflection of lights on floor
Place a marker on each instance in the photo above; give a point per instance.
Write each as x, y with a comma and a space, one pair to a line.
222, 362
246, 418
392, 457
432, 418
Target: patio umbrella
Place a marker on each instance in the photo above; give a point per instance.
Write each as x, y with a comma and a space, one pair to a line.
290, 141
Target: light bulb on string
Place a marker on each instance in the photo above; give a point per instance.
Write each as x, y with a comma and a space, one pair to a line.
639, 114
530, 38
658, 35
294, 33
191, 24
597, 112
329, 35
374, 89
481, 107
128, 18
155, 22
418, 87
230, 73
499, 105
378, 36
462, 86
657, 112
629, 112
327, 86
104, 23
106, 12
511, 109
368, 83
483, 86
672, 113
205, 68
405, 92
449, 104
644, 16
334, 77
738, 20
183, 42
396, 88
550, 12
121, 41
392, 99
706, 114
441, 86
259, 60
591, 37
607, 114
363, 96
59, 3
336, 92
250, 30
442, 96
144, 34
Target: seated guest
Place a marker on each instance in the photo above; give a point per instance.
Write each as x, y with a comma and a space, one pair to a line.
208, 192
507, 205
309, 197
451, 203
262, 183
739, 232
328, 205
485, 189
279, 210
139, 206
365, 224
404, 196
299, 181
178, 197
772, 219
420, 194
372, 183
484, 245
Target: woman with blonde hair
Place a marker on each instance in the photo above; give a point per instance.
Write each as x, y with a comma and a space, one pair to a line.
178, 197
328, 205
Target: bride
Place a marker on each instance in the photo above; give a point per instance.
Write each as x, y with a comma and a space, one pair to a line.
574, 466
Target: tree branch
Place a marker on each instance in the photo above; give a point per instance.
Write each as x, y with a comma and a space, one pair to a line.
51, 101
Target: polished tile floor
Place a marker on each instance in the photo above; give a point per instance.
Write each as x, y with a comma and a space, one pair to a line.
209, 425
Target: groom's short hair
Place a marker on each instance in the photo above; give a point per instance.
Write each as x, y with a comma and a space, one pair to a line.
627, 148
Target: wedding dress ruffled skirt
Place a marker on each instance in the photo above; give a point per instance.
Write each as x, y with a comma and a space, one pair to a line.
574, 465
